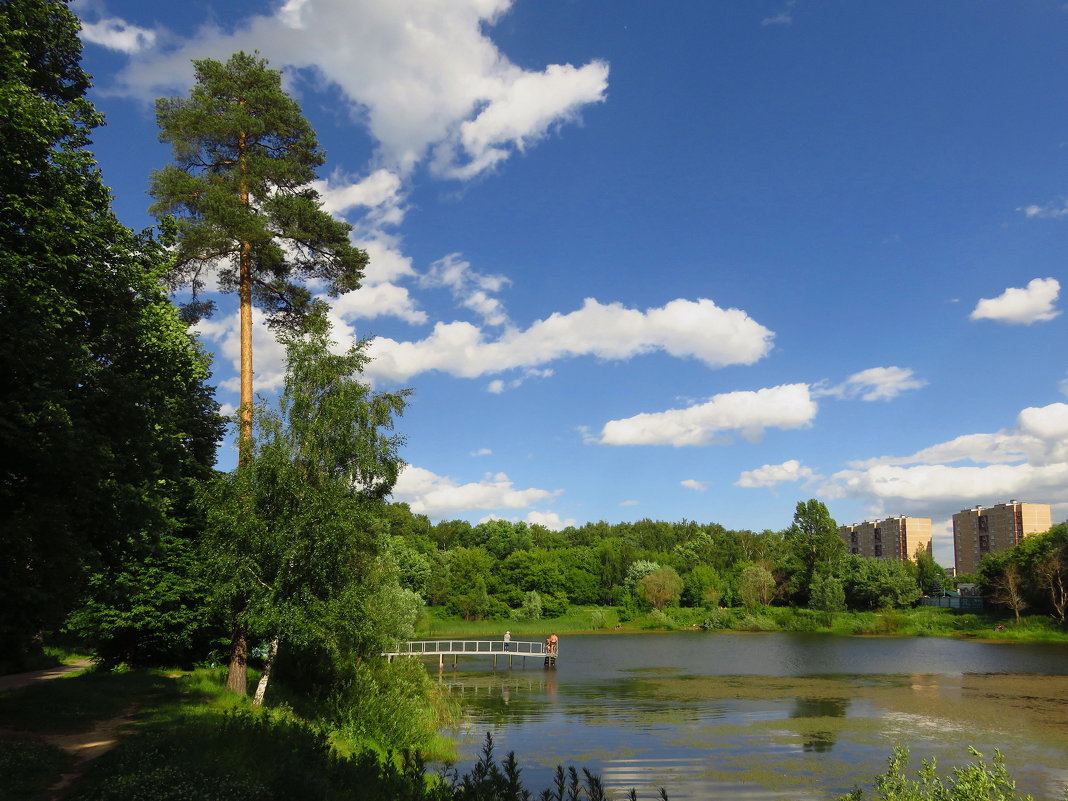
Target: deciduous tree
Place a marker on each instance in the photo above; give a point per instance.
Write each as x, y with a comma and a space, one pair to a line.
292, 534
813, 545
105, 416
661, 588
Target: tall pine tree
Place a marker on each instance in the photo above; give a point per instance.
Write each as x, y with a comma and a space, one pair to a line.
239, 190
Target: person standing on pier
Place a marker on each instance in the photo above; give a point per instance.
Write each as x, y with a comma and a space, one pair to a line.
507, 639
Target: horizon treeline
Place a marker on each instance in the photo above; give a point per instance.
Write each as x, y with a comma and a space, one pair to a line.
500, 568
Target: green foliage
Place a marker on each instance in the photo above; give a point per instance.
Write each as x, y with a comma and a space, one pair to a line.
107, 419
813, 546
391, 704
702, 586
1033, 574
752, 622
637, 571
244, 158
291, 542
756, 586
656, 619
537, 569
976, 781
661, 588
531, 608
930, 577
826, 594
149, 611
878, 583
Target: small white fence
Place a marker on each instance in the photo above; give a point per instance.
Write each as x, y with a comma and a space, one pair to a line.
458, 648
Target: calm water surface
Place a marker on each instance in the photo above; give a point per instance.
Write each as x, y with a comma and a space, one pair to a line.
767, 716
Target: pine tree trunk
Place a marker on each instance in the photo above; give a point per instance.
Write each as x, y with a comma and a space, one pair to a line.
244, 438
237, 677
261, 688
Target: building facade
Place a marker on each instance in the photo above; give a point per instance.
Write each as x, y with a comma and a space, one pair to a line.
892, 538
992, 529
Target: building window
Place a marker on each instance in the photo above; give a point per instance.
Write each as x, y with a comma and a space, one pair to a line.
856, 550
984, 543
878, 535
983, 523
853, 536
878, 549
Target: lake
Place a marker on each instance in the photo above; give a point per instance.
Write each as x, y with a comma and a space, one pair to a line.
770, 716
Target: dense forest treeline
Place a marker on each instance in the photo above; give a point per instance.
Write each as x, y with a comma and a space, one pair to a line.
500, 568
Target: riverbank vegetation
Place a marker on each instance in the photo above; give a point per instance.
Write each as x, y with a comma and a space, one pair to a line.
479, 579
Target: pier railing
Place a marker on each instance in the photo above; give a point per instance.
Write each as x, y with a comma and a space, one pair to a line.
458, 648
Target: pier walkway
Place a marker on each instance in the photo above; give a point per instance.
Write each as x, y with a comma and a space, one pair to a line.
457, 648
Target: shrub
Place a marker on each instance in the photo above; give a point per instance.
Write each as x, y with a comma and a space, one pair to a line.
756, 623
718, 619
598, 619
553, 605
975, 781
531, 608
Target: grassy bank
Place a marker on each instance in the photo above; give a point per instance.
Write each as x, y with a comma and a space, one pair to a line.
184, 738
919, 622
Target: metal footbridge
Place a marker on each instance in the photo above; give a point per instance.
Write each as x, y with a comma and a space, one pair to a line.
494, 648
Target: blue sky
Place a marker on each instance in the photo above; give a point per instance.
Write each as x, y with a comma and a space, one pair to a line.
699, 259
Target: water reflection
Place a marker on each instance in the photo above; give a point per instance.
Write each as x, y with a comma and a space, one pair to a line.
806, 708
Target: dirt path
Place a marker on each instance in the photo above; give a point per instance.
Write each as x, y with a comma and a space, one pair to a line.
16, 680
82, 746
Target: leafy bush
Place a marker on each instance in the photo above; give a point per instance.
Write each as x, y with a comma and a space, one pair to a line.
977, 781
393, 704
531, 608
789, 618
598, 619
750, 622
553, 605
718, 619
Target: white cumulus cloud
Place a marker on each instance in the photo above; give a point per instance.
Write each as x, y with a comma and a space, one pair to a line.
430, 494
117, 34
1021, 306
421, 75
1027, 461
683, 328
694, 484
771, 474
748, 413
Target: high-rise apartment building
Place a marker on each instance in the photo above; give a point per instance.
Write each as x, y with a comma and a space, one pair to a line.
991, 529
893, 538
